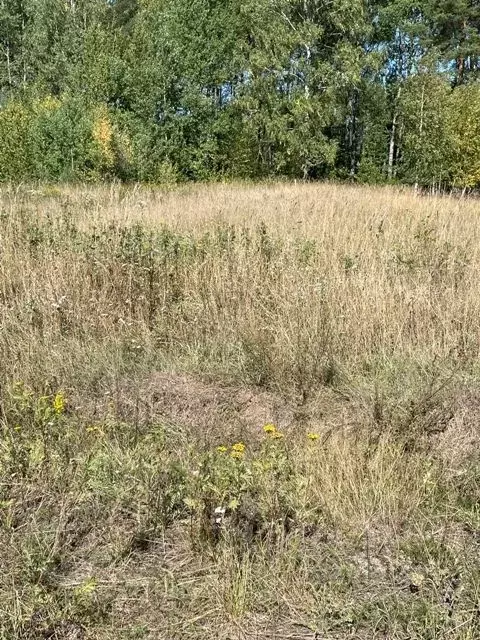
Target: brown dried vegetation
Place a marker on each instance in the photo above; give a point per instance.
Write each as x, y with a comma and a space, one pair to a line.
143, 329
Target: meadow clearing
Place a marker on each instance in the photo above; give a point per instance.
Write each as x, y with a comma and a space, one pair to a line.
239, 412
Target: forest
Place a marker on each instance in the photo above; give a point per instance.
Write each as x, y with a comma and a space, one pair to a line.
165, 91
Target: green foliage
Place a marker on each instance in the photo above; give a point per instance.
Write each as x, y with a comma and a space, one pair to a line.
33, 425
425, 107
61, 139
61, 134
207, 90
464, 129
15, 150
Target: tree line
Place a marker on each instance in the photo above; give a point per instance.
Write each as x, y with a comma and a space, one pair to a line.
166, 90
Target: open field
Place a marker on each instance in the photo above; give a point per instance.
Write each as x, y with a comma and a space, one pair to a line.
145, 332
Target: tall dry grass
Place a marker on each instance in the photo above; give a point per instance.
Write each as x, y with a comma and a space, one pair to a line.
142, 328
280, 284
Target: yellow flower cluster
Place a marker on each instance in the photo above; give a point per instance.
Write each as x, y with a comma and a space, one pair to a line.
313, 436
59, 403
271, 430
237, 451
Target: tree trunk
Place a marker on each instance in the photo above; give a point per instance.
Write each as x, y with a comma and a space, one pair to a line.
9, 71
460, 61
391, 147
353, 132
420, 132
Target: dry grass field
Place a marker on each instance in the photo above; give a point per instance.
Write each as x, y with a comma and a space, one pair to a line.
239, 412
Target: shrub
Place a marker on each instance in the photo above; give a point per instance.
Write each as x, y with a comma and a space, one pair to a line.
15, 149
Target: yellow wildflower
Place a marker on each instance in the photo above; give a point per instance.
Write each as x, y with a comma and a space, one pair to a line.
239, 447
270, 428
221, 449
59, 403
313, 436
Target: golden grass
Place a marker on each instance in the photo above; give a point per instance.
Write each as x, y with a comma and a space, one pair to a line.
354, 274
176, 321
